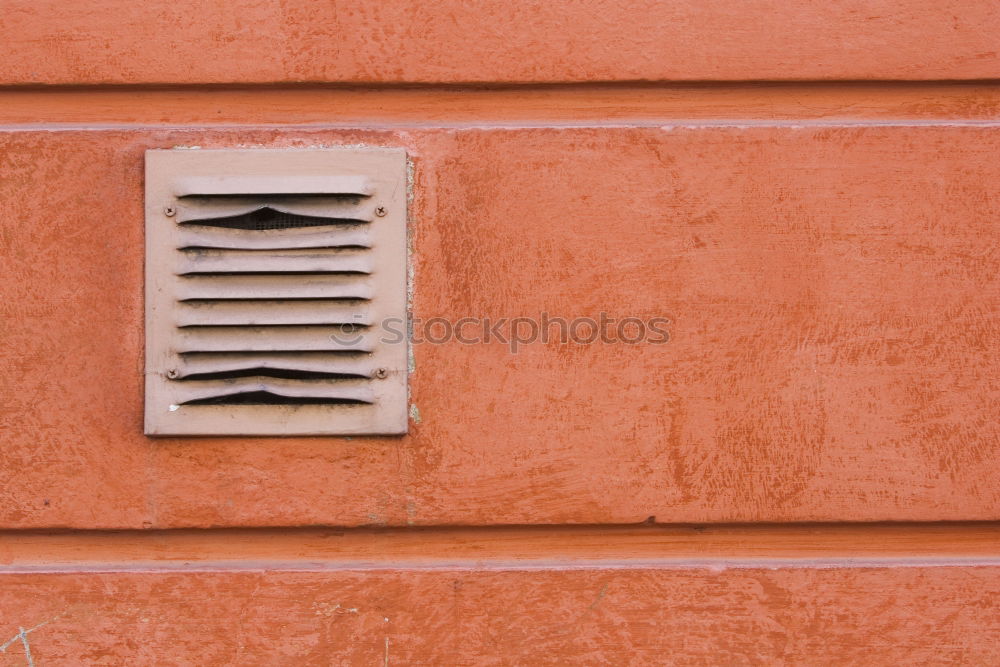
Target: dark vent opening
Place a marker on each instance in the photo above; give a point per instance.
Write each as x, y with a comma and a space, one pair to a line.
268, 398
267, 219
264, 251
346, 198
271, 298
347, 329
290, 354
338, 272
335, 328
285, 373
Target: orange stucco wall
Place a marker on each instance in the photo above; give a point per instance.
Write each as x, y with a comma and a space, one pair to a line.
807, 193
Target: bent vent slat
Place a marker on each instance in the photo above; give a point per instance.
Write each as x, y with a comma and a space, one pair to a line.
272, 184
205, 208
274, 287
335, 236
338, 363
273, 339
280, 261
267, 219
258, 313
356, 390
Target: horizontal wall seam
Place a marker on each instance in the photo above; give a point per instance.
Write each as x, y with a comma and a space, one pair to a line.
712, 565
525, 105
510, 547
487, 85
665, 124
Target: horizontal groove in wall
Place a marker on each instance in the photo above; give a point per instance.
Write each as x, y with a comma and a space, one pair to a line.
524, 105
758, 545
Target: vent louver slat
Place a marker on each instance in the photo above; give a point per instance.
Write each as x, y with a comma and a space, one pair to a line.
204, 365
305, 237
191, 210
262, 313
265, 291
228, 286
327, 260
241, 185
319, 389
270, 339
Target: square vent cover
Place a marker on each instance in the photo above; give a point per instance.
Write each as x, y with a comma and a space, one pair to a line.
269, 275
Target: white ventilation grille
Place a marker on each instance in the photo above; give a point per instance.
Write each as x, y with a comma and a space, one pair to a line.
275, 292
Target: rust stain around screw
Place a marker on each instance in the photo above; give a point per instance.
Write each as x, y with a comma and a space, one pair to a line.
381, 373
380, 211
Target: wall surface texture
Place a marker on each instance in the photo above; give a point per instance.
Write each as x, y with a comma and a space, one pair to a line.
805, 473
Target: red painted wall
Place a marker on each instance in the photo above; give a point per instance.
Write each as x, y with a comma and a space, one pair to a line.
808, 194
